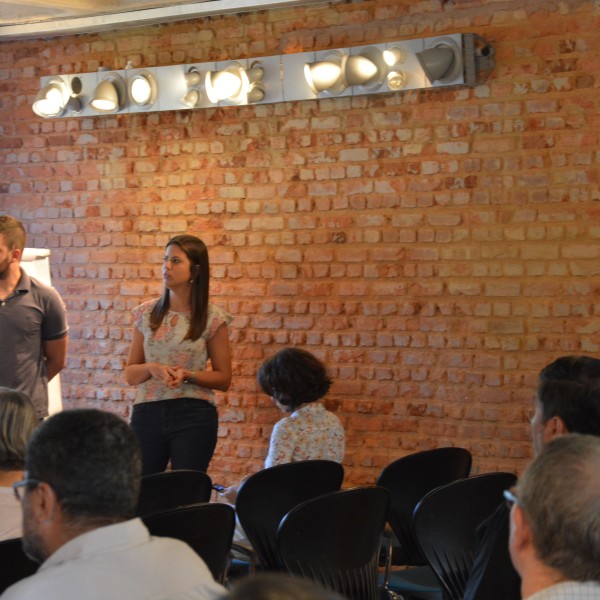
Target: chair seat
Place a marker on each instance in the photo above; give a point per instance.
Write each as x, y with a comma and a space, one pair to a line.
415, 582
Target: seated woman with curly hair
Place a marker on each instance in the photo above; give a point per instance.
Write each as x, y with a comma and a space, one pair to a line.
297, 380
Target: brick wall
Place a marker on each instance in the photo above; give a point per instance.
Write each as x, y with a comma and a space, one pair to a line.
436, 249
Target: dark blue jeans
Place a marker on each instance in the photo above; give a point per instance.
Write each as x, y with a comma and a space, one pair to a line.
183, 430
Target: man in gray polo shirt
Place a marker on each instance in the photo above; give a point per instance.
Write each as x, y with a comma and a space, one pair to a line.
33, 325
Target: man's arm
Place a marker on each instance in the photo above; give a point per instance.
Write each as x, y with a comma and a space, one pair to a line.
55, 353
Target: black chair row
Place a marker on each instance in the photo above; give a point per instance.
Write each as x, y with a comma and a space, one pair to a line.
296, 522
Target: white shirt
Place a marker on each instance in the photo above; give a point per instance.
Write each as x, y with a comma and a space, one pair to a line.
569, 590
120, 562
10, 514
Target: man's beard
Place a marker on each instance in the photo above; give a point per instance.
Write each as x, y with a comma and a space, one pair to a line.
4, 268
33, 544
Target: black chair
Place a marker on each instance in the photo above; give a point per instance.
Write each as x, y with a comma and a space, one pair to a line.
408, 479
170, 489
267, 496
445, 524
207, 528
334, 539
15, 563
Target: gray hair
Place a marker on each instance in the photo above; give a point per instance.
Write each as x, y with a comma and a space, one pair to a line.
560, 496
92, 461
279, 586
18, 419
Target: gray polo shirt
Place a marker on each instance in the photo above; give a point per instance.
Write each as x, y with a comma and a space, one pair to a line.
32, 314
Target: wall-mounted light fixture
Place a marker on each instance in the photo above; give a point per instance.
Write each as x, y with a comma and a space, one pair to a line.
192, 78
235, 84
109, 95
456, 59
340, 70
58, 96
143, 89
442, 61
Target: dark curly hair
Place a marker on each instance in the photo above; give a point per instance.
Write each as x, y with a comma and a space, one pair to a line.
293, 377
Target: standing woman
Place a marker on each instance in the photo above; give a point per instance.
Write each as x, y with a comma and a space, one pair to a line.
174, 336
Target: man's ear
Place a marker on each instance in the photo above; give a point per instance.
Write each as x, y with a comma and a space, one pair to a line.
521, 533
17, 254
43, 503
553, 428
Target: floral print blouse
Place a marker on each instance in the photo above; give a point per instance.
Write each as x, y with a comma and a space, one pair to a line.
309, 433
166, 345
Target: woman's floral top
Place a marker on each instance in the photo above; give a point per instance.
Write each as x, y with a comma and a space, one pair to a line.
167, 346
309, 433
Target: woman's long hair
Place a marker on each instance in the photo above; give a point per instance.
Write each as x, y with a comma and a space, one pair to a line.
197, 253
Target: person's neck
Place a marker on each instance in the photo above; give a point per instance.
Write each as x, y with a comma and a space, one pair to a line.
7, 478
179, 300
9, 282
538, 578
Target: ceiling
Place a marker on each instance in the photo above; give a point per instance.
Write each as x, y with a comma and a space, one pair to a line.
22, 19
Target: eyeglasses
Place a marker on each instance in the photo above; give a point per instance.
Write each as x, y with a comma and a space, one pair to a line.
19, 485
510, 499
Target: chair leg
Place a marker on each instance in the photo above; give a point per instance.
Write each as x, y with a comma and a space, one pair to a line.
387, 594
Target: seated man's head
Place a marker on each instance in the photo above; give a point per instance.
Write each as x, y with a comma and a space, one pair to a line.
571, 368
565, 407
18, 420
293, 377
83, 468
555, 522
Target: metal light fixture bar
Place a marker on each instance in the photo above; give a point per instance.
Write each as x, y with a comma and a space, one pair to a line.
442, 61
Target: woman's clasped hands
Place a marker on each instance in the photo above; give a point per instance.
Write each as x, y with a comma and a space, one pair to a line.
171, 376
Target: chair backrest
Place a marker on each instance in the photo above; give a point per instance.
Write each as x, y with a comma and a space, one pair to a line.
207, 528
267, 496
408, 479
334, 539
15, 565
445, 524
170, 489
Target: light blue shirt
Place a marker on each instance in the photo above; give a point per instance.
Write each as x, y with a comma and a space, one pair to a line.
569, 590
120, 562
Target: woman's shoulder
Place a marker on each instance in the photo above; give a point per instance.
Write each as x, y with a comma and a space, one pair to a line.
216, 312
143, 309
215, 318
146, 306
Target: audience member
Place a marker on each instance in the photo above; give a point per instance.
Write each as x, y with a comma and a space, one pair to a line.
562, 405
279, 587
555, 522
33, 323
79, 495
18, 419
296, 380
